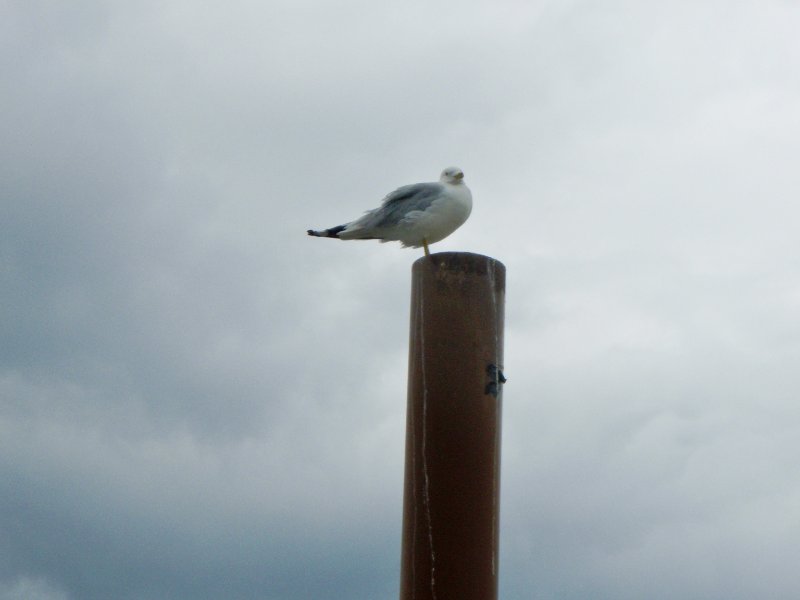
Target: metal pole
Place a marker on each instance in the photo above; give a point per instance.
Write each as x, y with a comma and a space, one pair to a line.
452, 468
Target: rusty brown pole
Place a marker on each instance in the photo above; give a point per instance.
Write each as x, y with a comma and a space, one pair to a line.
452, 468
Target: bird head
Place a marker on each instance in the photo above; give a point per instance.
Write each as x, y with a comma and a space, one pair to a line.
452, 175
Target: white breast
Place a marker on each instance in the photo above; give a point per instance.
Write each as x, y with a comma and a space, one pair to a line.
447, 214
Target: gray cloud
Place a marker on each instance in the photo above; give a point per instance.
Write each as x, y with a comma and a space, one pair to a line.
198, 401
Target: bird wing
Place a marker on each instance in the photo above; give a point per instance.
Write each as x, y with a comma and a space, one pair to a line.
414, 198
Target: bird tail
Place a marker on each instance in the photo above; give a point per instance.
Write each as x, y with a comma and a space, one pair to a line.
332, 232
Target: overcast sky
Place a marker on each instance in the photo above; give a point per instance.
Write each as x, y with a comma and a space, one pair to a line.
198, 401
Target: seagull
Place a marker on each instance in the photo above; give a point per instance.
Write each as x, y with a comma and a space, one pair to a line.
414, 215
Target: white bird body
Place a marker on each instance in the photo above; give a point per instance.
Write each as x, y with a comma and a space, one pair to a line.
414, 215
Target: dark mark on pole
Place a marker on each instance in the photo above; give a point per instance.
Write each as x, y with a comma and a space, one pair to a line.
493, 387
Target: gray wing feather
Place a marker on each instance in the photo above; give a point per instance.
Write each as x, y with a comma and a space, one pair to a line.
396, 205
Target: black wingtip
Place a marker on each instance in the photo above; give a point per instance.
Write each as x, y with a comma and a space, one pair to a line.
333, 232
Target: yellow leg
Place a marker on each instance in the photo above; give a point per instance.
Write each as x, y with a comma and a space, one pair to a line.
425, 245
